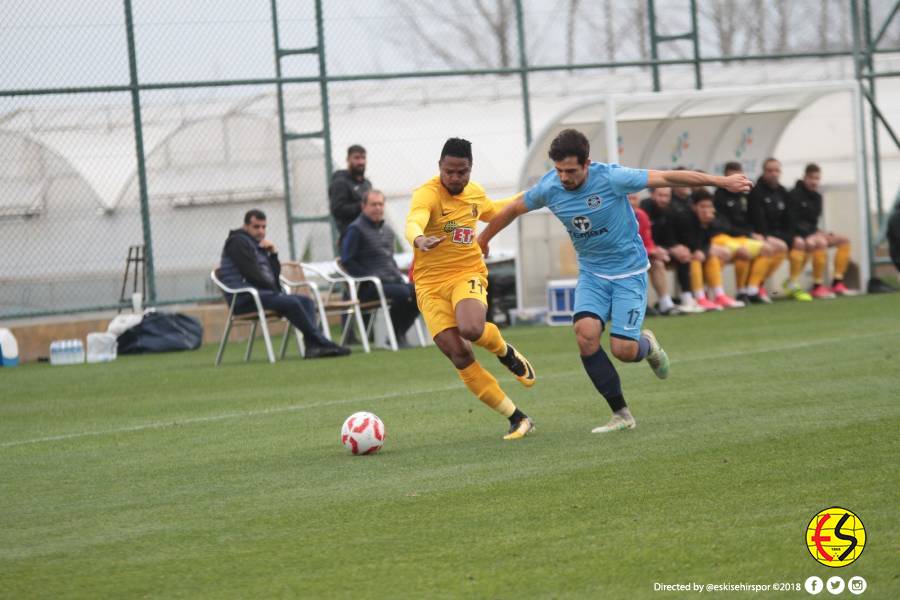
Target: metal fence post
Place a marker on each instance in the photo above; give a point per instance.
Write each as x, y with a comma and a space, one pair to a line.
326, 115
654, 53
695, 39
523, 71
285, 166
861, 112
139, 150
869, 68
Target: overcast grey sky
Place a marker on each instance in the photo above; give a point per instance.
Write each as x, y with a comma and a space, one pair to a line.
54, 43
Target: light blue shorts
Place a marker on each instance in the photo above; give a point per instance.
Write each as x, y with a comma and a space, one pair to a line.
619, 303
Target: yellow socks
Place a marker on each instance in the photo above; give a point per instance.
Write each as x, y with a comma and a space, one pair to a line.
759, 270
696, 277
741, 272
712, 270
481, 383
774, 262
820, 257
491, 340
841, 260
798, 261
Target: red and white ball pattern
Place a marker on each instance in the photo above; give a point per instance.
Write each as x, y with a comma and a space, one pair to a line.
363, 433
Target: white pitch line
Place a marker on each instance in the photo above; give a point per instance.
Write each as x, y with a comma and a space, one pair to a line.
222, 417
296, 407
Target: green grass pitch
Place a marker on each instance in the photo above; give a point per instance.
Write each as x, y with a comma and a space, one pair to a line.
162, 476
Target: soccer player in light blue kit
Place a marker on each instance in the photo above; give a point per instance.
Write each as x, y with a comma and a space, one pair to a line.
591, 201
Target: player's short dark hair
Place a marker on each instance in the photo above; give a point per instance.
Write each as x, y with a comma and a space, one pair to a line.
355, 149
733, 167
457, 147
570, 142
812, 168
770, 159
254, 213
701, 194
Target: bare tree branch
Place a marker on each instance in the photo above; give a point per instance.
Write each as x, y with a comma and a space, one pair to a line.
783, 10
610, 34
570, 31
428, 41
639, 16
723, 15
756, 28
452, 35
824, 11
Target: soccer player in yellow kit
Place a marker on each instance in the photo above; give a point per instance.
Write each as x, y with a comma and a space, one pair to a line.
451, 279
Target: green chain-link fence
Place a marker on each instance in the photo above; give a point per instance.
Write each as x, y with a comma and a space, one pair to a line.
156, 123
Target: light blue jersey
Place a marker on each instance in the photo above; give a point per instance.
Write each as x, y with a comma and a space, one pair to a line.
598, 217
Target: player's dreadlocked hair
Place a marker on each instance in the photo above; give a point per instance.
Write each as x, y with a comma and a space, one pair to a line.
570, 142
457, 147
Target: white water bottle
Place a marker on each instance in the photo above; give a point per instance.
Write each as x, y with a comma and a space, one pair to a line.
77, 352
66, 352
56, 354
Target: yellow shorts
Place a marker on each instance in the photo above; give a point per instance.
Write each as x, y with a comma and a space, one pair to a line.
437, 303
733, 243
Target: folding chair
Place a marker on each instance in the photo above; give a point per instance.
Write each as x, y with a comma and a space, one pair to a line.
260, 319
371, 307
382, 304
330, 301
418, 324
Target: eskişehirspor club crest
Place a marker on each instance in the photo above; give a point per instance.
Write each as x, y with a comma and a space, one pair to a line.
594, 201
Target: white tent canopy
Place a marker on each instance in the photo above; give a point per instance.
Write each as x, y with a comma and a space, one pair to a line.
699, 130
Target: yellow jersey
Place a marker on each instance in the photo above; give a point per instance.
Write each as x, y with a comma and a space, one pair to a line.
434, 212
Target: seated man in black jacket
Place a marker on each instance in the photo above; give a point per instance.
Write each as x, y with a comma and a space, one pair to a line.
731, 211
711, 249
806, 204
367, 249
250, 260
767, 207
667, 218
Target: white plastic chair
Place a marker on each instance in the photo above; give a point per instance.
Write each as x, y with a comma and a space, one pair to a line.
260, 318
329, 301
382, 304
372, 306
418, 324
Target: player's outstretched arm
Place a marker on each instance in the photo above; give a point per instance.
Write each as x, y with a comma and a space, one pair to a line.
417, 220
736, 182
500, 221
495, 206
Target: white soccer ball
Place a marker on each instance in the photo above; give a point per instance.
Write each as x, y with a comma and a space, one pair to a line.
363, 433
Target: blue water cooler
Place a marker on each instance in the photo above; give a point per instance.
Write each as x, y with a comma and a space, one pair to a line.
560, 301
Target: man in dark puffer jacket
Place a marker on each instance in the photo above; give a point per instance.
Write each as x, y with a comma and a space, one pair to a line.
251, 260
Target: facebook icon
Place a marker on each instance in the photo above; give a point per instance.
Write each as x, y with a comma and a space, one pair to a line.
813, 585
